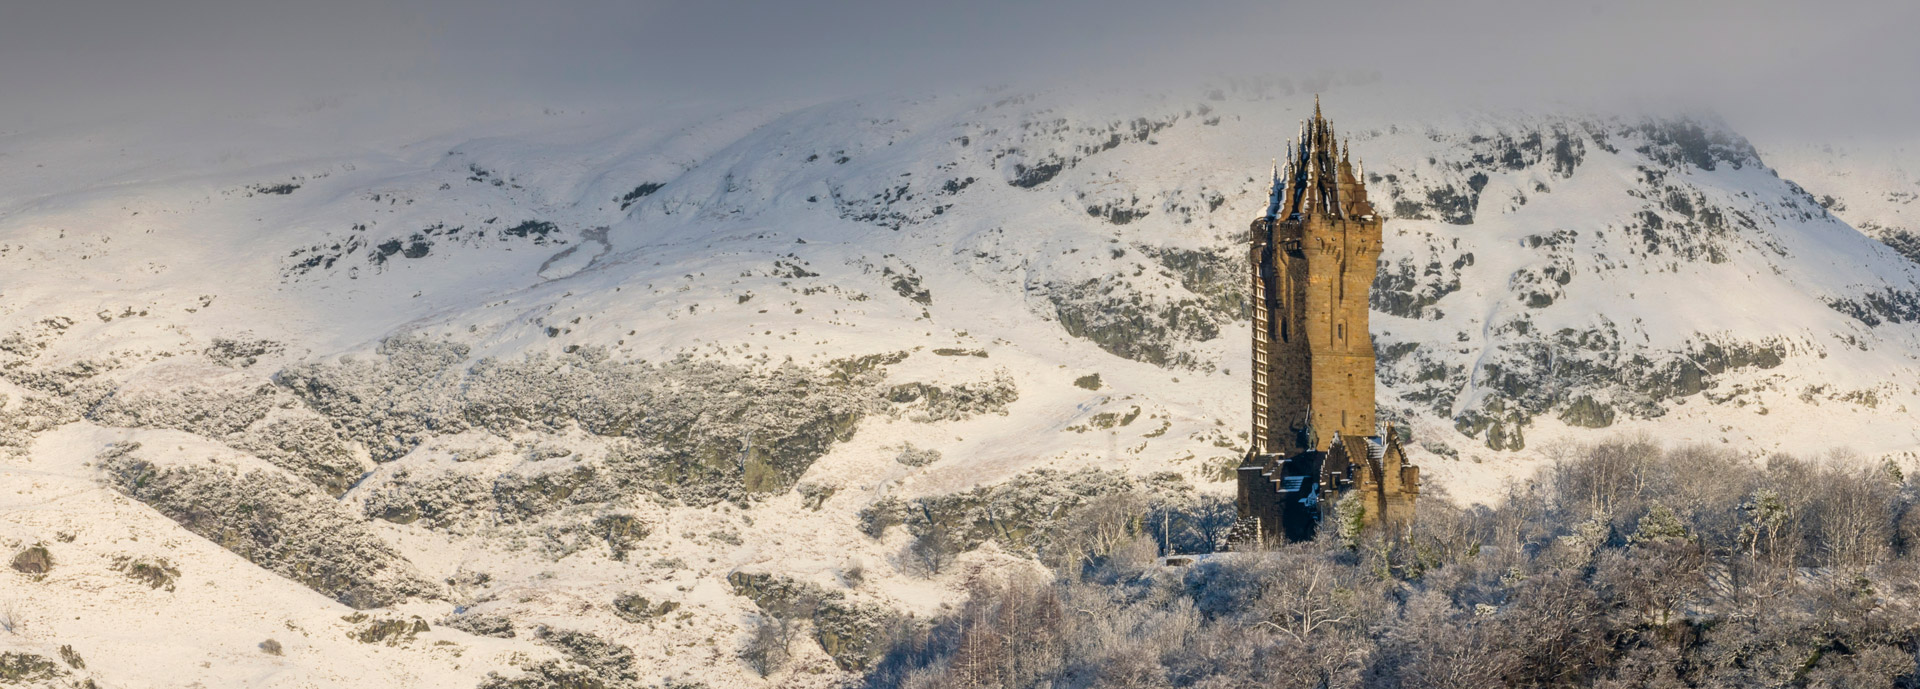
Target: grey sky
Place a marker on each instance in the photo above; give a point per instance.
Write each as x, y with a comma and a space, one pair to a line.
1853, 60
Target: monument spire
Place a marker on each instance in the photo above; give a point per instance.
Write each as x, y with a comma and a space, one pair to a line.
1275, 194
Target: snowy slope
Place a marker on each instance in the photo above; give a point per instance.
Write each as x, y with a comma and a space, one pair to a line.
220, 295
1870, 185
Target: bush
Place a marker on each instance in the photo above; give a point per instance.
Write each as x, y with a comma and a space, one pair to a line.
1626, 564
391, 631
17, 667
391, 403
770, 645
498, 626
307, 446
155, 572
634, 607
33, 560
206, 412
916, 457
622, 532
270, 647
814, 495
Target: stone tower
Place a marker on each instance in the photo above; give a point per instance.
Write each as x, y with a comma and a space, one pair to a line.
1315, 252
1314, 256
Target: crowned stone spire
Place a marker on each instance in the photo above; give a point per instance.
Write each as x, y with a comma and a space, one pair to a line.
1273, 200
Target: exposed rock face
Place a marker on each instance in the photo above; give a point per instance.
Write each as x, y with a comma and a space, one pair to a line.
698, 431
282, 525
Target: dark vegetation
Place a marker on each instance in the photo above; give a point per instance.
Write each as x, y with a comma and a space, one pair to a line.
155, 572
21, 668
634, 607
33, 560
1622, 565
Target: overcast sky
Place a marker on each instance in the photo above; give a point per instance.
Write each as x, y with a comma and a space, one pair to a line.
1853, 62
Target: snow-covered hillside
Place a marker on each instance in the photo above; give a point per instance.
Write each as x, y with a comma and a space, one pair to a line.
1872, 187
589, 394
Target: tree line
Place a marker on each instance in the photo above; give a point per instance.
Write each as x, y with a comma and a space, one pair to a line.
1622, 564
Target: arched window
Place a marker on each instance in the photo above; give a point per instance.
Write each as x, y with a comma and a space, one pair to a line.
1340, 331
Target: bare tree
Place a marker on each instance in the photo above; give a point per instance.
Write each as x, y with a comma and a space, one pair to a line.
1629, 565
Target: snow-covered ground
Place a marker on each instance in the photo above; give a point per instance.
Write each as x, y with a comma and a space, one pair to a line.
1549, 278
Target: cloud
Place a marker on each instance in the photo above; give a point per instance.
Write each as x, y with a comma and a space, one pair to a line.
1783, 62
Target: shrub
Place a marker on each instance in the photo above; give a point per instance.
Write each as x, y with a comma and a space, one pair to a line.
814, 495
498, 626
770, 645
33, 560
634, 607
18, 667
392, 631
1626, 564
622, 532
155, 572
916, 457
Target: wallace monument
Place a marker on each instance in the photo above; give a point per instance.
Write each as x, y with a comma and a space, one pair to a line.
1315, 440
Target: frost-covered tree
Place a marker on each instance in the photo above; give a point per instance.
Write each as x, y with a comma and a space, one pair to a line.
1618, 569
